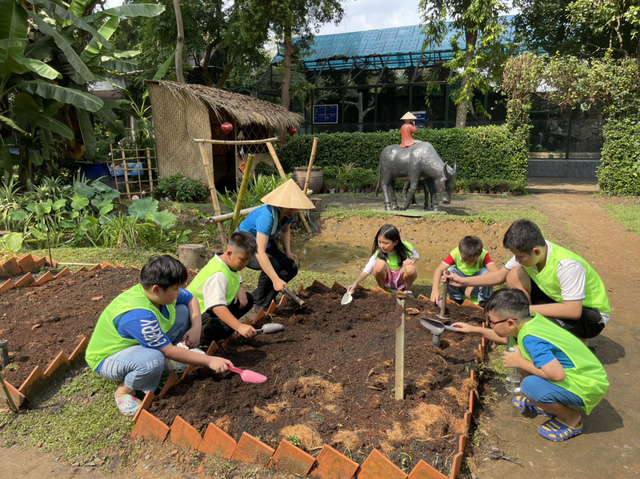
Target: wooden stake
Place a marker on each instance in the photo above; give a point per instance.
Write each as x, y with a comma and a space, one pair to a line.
241, 193
208, 169
311, 160
400, 320
443, 301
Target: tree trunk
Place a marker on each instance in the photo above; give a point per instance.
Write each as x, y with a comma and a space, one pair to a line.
225, 74
179, 42
211, 49
462, 109
285, 96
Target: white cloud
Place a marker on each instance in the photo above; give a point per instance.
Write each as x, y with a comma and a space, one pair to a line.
363, 15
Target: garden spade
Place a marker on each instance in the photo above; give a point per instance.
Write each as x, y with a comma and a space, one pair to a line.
437, 328
301, 304
249, 376
269, 328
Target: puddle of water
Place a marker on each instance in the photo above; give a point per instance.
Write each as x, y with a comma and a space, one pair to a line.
332, 258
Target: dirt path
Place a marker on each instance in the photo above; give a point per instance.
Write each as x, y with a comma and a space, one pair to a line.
609, 446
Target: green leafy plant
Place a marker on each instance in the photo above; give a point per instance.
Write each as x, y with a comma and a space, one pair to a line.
181, 188
295, 440
11, 242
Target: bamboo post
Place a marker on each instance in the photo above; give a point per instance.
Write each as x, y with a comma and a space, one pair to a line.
208, 169
276, 161
241, 193
126, 174
443, 300
311, 160
140, 169
228, 216
113, 167
150, 170
274, 156
400, 321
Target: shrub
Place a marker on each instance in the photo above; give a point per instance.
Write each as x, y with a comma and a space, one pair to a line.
181, 188
485, 152
619, 171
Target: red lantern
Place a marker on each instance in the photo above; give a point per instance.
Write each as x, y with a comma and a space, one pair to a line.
292, 130
226, 127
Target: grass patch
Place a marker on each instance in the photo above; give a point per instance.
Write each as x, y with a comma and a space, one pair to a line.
125, 256
80, 419
627, 214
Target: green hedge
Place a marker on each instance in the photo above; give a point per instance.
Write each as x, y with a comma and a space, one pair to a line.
619, 170
481, 152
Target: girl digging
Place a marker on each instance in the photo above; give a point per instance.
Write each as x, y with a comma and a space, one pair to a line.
392, 262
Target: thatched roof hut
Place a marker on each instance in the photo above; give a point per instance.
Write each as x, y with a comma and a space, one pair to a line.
182, 112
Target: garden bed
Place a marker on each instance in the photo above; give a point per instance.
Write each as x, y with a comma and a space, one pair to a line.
39, 322
331, 381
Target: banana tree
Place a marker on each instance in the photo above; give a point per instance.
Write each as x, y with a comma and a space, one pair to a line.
50, 52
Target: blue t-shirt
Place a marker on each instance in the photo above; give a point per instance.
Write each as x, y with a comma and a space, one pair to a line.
263, 221
143, 326
543, 352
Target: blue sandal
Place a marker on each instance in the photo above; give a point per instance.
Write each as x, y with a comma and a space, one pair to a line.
525, 404
557, 431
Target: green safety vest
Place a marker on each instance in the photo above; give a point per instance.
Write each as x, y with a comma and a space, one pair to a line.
588, 379
393, 260
106, 340
547, 279
215, 265
465, 268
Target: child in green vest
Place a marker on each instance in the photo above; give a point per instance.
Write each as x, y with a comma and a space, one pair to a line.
392, 262
218, 287
561, 376
560, 285
468, 259
139, 330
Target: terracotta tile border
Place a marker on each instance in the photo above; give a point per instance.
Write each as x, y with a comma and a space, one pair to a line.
287, 457
37, 379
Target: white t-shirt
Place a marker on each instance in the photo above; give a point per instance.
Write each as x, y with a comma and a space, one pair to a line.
368, 269
214, 289
572, 277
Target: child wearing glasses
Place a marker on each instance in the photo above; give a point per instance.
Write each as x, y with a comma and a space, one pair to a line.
561, 376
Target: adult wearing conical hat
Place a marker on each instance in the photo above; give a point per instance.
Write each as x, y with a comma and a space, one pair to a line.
407, 130
266, 223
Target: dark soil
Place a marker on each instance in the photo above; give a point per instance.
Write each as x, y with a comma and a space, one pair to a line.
331, 379
65, 310
41, 321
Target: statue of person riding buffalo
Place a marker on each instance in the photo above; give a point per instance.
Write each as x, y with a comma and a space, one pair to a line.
419, 162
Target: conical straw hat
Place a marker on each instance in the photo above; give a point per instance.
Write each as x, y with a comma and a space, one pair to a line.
409, 116
288, 195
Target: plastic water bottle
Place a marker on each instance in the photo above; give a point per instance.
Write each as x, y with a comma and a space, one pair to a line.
513, 377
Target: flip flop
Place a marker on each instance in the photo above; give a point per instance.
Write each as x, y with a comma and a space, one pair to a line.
525, 404
127, 404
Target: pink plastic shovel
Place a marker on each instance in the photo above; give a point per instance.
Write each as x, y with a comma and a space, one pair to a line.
249, 376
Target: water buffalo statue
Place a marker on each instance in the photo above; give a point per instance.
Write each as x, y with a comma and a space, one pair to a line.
418, 163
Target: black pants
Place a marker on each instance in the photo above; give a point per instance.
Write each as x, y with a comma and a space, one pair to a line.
213, 329
589, 325
284, 268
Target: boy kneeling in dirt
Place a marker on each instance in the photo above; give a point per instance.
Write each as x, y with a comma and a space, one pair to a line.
561, 376
218, 288
136, 334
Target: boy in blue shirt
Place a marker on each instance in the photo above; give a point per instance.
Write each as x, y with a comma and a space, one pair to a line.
468, 259
138, 332
561, 377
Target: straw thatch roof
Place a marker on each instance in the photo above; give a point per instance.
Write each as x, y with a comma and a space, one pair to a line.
245, 109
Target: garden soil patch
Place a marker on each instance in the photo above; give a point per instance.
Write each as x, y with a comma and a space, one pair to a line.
41, 321
331, 379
